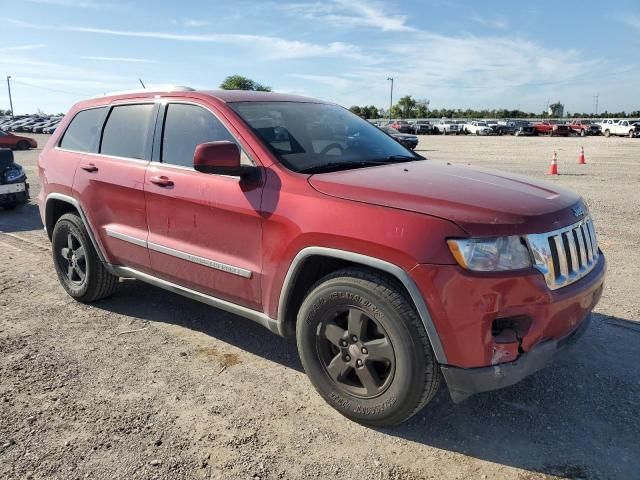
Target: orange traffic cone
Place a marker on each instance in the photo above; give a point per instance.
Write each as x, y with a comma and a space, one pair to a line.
581, 159
553, 169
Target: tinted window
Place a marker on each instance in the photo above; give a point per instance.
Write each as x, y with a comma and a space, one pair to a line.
84, 131
127, 130
187, 126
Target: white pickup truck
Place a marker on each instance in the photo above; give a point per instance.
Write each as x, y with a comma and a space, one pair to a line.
622, 128
478, 128
447, 127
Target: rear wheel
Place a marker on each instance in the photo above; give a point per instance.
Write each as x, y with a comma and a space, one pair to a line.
365, 349
22, 145
80, 270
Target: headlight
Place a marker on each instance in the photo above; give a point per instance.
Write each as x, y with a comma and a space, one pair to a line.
490, 254
13, 174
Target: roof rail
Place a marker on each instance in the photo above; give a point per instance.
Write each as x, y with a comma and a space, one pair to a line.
152, 88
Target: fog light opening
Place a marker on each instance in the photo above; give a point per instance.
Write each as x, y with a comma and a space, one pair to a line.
510, 330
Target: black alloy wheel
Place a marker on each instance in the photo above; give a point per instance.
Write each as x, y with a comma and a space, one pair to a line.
355, 352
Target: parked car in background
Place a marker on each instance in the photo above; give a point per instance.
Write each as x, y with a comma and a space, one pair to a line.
620, 128
552, 129
585, 127
14, 188
408, 140
422, 127
478, 128
506, 127
524, 129
402, 126
50, 129
16, 142
446, 127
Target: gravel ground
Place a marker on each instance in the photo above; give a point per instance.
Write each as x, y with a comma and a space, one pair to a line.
193, 392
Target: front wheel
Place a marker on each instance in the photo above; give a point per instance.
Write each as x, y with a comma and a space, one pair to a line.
607, 133
22, 145
365, 349
80, 270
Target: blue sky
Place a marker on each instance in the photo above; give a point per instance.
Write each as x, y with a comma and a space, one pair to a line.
457, 54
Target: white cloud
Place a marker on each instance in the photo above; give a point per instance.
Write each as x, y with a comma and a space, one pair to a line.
22, 48
496, 23
119, 59
334, 82
629, 19
271, 48
349, 13
190, 22
92, 4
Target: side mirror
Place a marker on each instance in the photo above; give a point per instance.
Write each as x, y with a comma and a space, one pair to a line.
222, 158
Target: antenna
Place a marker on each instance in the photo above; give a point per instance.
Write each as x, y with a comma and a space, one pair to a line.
141, 83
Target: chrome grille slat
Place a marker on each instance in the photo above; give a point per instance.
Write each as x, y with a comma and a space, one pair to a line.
575, 253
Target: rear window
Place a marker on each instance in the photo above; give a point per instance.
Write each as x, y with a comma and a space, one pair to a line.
126, 133
83, 132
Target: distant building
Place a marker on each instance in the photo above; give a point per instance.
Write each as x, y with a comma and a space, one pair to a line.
556, 110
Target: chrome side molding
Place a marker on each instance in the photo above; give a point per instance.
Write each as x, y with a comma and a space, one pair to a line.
223, 267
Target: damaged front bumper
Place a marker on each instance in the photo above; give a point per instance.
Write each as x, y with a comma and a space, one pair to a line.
464, 382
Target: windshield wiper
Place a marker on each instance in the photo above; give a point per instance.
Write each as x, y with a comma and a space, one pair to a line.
335, 166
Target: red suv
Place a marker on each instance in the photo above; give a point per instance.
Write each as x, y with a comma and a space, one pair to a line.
393, 271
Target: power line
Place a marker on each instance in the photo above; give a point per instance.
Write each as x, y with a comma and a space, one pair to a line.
55, 90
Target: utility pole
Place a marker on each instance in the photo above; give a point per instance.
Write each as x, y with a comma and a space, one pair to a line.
595, 97
10, 100
390, 98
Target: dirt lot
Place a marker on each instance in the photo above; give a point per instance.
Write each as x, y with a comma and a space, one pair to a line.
199, 393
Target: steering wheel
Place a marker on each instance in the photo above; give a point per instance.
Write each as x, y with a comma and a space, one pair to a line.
330, 147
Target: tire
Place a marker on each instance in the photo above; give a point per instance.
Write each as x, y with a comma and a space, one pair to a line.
607, 133
80, 270
630, 133
444, 131
583, 133
22, 145
400, 376
10, 206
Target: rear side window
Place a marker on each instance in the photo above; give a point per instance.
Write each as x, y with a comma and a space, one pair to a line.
187, 126
126, 133
83, 132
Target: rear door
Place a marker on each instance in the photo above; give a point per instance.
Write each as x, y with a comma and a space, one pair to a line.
205, 231
110, 183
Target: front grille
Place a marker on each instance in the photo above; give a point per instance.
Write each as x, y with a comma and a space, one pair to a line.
565, 255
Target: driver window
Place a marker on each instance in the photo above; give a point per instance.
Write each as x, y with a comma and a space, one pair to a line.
185, 127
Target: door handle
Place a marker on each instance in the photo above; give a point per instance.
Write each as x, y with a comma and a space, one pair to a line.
89, 167
161, 181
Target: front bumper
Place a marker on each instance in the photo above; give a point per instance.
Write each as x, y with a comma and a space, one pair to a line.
464, 382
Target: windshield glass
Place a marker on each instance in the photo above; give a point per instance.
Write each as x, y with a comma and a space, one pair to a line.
305, 136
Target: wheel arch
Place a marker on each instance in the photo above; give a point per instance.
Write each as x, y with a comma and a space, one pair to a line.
312, 263
57, 205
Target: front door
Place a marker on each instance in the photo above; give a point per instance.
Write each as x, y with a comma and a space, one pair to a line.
205, 231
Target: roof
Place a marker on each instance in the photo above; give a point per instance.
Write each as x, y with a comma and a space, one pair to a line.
251, 96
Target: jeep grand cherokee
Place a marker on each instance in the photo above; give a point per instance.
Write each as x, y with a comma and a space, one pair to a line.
392, 271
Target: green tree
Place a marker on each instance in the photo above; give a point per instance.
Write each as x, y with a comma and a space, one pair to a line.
407, 106
356, 109
238, 82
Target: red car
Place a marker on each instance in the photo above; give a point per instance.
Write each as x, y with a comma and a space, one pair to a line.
552, 129
393, 272
16, 142
401, 126
584, 127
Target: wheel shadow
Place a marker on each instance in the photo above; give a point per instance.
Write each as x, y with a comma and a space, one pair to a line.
23, 218
166, 307
578, 418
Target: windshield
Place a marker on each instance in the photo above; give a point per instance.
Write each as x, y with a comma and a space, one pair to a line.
309, 136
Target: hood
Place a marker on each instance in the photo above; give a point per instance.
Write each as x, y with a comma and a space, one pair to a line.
482, 202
